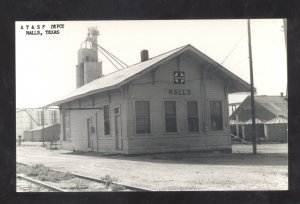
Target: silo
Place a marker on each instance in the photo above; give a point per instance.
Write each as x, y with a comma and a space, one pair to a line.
88, 67
276, 130
92, 71
247, 130
79, 75
87, 55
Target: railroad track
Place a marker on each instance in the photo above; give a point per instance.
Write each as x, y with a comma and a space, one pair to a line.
39, 183
102, 181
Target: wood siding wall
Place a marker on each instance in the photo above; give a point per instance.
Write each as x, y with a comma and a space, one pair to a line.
79, 130
154, 87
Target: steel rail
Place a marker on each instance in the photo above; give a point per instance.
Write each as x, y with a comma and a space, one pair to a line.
44, 185
115, 183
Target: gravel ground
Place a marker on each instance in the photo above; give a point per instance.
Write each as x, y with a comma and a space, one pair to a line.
195, 171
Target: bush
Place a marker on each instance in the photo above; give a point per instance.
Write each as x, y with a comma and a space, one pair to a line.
79, 185
108, 180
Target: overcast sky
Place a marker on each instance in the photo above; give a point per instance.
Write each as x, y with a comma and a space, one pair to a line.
45, 64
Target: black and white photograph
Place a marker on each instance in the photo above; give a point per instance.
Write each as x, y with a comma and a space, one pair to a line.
151, 105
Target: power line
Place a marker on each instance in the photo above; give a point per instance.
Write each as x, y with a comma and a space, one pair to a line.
109, 56
108, 59
232, 50
239, 62
114, 56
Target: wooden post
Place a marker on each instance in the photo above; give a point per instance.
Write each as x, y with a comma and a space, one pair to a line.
285, 31
20, 139
285, 38
237, 125
43, 124
97, 130
252, 91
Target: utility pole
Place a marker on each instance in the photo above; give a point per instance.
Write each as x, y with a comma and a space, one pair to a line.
43, 123
252, 91
285, 38
285, 31
97, 131
237, 125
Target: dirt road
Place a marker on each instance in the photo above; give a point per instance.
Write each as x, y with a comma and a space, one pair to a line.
176, 171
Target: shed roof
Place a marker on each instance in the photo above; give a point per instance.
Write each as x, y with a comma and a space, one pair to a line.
275, 104
40, 127
117, 79
277, 120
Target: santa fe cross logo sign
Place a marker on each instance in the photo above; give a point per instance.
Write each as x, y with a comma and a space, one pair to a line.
179, 77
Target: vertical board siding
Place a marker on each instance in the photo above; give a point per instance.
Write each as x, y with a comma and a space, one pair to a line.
215, 91
156, 93
79, 137
155, 87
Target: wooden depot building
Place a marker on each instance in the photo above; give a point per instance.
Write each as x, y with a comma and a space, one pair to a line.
176, 101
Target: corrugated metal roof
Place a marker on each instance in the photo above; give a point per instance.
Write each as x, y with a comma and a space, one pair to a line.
257, 121
277, 120
121, 77
233, 122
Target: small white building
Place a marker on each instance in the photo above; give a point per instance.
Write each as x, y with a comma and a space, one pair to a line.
43, 133
29, 118
176, 101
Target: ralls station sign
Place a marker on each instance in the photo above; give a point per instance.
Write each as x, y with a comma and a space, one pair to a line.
179, 92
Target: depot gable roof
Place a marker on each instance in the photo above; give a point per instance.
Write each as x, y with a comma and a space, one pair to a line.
117, 79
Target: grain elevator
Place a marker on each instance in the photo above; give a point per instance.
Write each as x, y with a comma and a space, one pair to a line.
89, 67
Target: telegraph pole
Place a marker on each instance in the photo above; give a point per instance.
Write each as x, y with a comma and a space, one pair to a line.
43, 123
285, 38
252, 91
237, 125
285, 31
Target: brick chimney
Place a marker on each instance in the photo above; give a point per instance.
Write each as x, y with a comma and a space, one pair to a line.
144, 55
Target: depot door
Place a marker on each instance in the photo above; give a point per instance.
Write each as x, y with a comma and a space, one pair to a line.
89, 127
118, 129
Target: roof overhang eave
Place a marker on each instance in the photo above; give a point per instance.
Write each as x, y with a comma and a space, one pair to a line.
240, 88
57, 103
119, 84
242, 85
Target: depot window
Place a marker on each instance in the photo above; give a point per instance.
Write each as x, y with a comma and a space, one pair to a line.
216, 116
192, 116
106, 120
142, 116
170, 116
